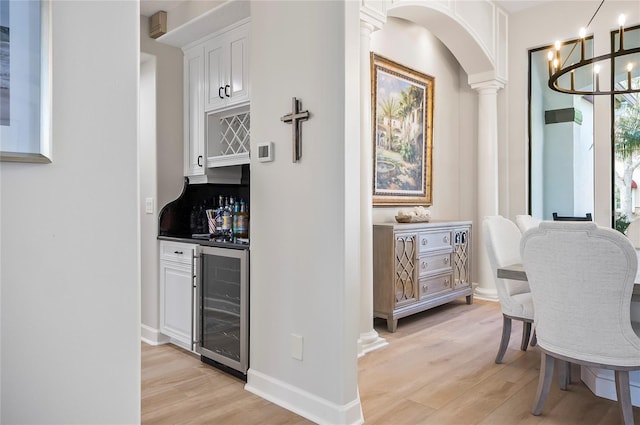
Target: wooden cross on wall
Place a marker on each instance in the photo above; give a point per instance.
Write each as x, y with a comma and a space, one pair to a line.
295, 118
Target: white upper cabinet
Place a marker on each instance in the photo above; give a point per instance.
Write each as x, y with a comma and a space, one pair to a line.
226, 66
216, 102
195, 156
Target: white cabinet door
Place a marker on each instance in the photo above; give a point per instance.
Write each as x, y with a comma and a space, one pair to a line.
195, 154
176, 292
227, 69
216, 81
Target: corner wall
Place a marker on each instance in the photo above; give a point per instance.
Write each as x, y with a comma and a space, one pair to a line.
164, 178
70, 303
300, 213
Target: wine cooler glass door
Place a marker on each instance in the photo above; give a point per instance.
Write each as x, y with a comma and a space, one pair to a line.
222, 322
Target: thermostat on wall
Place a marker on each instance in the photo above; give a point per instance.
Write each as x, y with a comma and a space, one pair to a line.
265, 152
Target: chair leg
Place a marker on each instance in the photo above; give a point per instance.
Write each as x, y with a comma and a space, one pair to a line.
544, 383
624, 396
534, 339
564, 374
504, 341
526, 333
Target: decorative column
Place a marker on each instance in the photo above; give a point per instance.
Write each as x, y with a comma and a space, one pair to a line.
487, 179
369, 339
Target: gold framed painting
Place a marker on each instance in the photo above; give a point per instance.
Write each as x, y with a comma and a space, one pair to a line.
402, 121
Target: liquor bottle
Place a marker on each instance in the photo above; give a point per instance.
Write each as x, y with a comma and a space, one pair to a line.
242, 221
219, 211
236, 211
227, 219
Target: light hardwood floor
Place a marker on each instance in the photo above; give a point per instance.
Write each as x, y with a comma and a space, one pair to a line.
437, 369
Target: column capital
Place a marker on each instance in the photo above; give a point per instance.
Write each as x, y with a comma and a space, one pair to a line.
490, 86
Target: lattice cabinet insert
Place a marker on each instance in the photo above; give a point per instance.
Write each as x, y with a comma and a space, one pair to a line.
228, 136
418, 266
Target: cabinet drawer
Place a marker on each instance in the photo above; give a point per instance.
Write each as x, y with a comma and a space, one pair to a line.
431, 264
431, 241
433, 285
178, 252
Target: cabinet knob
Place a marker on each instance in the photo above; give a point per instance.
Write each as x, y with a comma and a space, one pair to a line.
199, 160
424, 242
445, 239
220, 92
226, 90
425, 287
446, 260
424, 264
178, 252
446, 283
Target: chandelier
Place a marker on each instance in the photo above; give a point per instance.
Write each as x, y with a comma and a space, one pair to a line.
558, 69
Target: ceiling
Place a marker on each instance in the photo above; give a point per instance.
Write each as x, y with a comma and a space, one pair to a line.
149, 7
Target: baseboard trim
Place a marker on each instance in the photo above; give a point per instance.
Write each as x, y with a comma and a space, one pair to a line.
602, 383
152, 336
303, 403
486, 294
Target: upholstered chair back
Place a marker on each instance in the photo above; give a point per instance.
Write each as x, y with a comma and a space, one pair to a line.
502, 240
581, 279
526, 222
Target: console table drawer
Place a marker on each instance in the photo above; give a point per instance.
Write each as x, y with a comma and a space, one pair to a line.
434, 264
432, 285
431, 241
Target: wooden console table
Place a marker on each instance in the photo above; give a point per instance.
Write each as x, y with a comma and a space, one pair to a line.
417, 266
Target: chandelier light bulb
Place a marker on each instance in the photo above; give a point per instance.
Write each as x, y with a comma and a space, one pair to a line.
621, 20
629, 67
557, 44
583, 32
596, 69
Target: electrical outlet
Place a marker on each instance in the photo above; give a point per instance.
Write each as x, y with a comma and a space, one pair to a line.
296, 346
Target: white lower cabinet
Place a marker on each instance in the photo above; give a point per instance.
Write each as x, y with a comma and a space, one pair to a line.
176, 292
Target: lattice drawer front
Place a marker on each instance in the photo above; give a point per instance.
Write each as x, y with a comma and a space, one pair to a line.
461, 261
405, 288
234, 134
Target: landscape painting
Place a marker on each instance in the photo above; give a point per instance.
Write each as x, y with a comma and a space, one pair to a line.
4, 64
402, 104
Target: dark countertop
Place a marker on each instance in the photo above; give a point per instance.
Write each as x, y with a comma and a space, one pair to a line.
205, 242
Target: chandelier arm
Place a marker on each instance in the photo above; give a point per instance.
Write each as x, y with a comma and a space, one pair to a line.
553, 79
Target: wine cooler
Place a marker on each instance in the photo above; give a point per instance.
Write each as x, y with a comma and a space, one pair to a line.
222, 310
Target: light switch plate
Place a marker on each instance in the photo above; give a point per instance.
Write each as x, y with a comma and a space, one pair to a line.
265, 152
148, 205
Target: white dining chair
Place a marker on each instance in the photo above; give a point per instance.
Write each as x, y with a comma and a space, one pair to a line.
582, 277
526, 222
502, 240
633, 232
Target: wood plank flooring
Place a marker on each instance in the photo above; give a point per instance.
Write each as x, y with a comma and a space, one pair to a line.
437, 369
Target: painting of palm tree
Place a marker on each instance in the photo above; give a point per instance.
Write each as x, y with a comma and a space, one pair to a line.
402, 117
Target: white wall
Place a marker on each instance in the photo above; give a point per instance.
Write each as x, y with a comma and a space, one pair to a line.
454, 119
300, 215
70, 307
161, 153
539, 26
